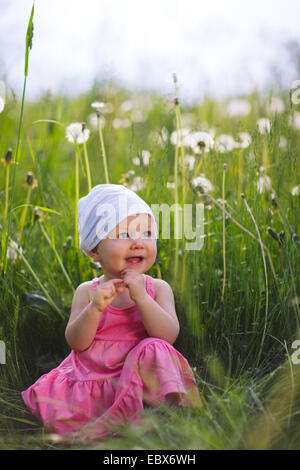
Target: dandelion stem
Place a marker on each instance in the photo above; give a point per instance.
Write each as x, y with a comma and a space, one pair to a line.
76, 198
24, 213
28, 42
87, 166
266, 279
6, 192
57, 255
103, 149
176, 218
224, 245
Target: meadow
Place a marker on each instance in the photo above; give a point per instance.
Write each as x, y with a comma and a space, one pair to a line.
237, 299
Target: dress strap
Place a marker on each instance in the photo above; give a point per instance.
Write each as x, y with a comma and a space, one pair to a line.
149, 286
95, 283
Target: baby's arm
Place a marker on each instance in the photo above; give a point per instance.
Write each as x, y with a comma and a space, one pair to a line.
159, 315
85, 313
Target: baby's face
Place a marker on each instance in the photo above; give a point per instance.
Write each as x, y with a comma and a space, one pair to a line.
131, 244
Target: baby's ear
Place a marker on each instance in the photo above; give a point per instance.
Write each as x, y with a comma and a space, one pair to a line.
94, 254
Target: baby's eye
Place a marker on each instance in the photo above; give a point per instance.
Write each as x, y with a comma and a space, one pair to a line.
123, 235
148, 233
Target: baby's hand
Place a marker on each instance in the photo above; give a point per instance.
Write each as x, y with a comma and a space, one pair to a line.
135, 283
105, 293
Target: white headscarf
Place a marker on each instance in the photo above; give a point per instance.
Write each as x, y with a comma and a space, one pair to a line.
104, 207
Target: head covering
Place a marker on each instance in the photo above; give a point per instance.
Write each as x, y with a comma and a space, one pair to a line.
104, 207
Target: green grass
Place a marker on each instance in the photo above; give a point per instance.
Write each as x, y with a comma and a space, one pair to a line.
240, 347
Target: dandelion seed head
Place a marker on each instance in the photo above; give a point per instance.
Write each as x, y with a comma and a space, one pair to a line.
190, 161
138, 184
244, 140
201, 142
224, 143
276, 105
2, 104
93, 121
203, 184
126, 106
282, 143
296, 190
294, 120
264, 184
75, 132
264, 125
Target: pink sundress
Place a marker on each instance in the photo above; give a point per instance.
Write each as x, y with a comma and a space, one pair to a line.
107, 385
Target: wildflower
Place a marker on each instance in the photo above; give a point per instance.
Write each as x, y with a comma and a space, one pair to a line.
78, 132
203, 184
244, 140
238, 108
294, 120
264, 125
276, 105
170, 184
224, 143
296, 190
201, 142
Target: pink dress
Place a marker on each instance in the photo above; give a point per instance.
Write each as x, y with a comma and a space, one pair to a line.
107, 384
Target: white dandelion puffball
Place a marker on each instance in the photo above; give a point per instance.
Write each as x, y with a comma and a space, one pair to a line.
103, 108
190, 161
138, 184
282, 143
296, 190
224, 143
202, 183
93, 121
98, 105
136, 161
264, 125
238, 108
175, 137
201, 142
2, 104
126, 106
276, 105
244, 140
264, 184
146, 157
77, 132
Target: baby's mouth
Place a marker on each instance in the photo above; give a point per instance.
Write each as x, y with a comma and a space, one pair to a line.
135, 259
